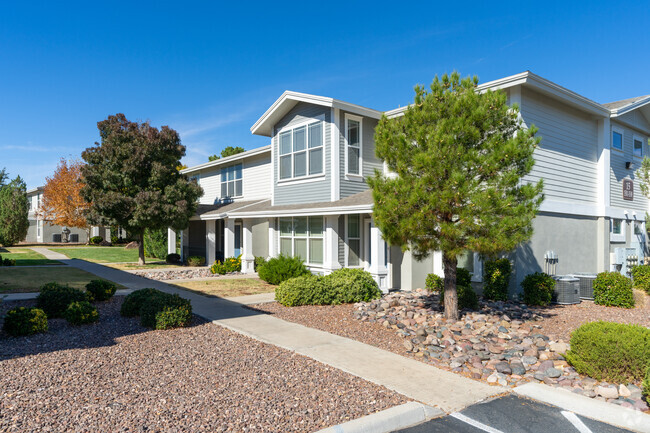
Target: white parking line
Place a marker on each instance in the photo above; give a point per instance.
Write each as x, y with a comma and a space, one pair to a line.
478, 425
577, 423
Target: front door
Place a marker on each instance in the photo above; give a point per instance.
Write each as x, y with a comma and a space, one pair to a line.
237, 239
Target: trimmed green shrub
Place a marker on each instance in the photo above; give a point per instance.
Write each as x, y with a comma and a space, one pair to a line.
641, 278
613, 352
259, 261
96, 240
173, 259
496, 278
434, 283
646, 384
155, 243
178, 317
196, 261
100, 290
81, 312
8, 262
282, 268
134, 301
467, 297
55, 298
613, 290
538, 289
231, 264
350, 285
463, 277
25, 321
304, 290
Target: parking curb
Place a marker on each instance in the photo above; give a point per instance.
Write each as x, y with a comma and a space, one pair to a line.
588, 407
398, 417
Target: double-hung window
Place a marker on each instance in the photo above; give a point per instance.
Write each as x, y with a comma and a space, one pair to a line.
302, 237
638, 147
353, 236
617, 139
301, 151
353, 145
231, 181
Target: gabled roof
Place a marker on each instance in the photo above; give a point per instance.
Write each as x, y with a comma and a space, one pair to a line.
228, 159
625, 105
289, 99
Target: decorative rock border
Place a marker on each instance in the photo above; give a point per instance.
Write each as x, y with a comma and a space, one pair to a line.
176, 274
500, 344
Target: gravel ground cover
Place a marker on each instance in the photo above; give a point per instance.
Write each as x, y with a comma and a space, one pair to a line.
505, 343
117, 376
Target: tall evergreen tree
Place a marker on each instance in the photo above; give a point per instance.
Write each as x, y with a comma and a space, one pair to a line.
459, 156
14, 210
226, 152
131, 179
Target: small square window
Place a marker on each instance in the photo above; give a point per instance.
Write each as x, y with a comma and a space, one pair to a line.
617, 140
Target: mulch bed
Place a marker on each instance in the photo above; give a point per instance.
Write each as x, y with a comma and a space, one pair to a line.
118, 376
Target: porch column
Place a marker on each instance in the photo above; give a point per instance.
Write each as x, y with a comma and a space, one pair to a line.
331, 260
171, 241
247, 257
210, 241
378, 268
272, 239
229, 238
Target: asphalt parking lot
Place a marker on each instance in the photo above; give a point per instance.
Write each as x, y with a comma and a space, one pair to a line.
512, 414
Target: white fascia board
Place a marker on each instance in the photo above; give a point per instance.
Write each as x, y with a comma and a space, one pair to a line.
223, 215
357, 109
304, 212
227, 160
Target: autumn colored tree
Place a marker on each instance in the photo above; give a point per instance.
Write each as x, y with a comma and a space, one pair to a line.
131, 179
62, 203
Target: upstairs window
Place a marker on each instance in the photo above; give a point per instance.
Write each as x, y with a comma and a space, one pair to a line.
353, 145
301, 151
231, 181
617, 140
638, 147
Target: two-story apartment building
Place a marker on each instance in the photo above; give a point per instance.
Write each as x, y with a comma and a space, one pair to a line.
305, 194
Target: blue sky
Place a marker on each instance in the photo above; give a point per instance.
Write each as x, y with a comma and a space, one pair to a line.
210, 70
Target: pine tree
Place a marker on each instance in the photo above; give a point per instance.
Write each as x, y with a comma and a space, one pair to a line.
14, 210
459, 156
226, 152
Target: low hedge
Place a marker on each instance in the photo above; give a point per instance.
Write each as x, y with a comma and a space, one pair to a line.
613, 290
100, 290
538, 289
496, 278
7, 262
339, 287
96, 240
196, 261
81, 312
641, 278
134, 301
25, 321
55, 298
259, 261
614, 352
158, 310
231, 264
282, 268
173, 259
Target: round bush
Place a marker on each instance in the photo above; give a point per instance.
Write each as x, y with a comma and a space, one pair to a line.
646, 384
229, 265
196, 261
259, 261
158, 310
178, 317
135, 300
282, 268
25, 321
303, 290
96, 240
101, 290
614, 352
81, 312
434, 283
496, 278
173, 259
613, 290
641, 278
55, 298
538, 289
345, 286
467, 298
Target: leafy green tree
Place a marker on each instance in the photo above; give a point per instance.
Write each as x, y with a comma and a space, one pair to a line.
226, 152
14, 210
131, 179
459, 157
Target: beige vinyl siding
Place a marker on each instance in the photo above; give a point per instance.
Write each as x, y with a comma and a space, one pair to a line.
313, 190
370, 160
257, 177
618, 172
567, 156
210, 181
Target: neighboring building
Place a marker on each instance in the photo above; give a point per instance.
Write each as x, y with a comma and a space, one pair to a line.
305, 194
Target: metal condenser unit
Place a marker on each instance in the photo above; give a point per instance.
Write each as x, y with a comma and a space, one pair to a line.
567, 290
586, 284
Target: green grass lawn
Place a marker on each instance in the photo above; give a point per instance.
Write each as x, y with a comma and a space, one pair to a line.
101, 254
228, 287
26, 257
15, 279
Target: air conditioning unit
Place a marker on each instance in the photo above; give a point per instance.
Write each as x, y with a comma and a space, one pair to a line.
74, 238
567, 290
56, 237
586, 284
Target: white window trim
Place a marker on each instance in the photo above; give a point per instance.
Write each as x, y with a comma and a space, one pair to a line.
347, 244
614, 237
221, 182
643, 141
349, 175
293, 237
306, 123
611, 138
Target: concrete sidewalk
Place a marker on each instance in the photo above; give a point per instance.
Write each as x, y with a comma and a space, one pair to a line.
421, 382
